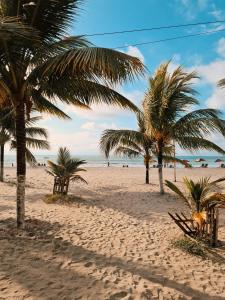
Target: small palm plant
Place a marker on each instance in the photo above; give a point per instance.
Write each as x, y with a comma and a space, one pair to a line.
199, 197
65, 170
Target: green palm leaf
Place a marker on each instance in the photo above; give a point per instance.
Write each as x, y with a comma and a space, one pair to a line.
195, 143
176, 190
125, 151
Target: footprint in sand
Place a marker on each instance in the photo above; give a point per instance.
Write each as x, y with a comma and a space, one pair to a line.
118, 295
88, 264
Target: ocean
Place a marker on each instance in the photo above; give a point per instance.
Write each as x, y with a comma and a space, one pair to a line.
100, 161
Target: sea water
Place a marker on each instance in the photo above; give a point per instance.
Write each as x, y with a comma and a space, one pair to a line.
101, 161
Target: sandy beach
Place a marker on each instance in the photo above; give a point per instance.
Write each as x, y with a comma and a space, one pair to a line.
113, 243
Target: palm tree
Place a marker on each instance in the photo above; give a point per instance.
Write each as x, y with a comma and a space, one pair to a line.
8, 132
65, 170
39, 67
130, 143
134, 143
166, 105
199, 196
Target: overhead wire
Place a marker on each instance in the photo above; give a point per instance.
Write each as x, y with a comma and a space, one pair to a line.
154, 28
170, 39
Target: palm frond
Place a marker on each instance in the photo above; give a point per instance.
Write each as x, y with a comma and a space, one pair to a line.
113, 138
172, 159
36, 131
195, 143
217, 181
63, 156
125, 151
44, 105
200, 122
176, 190
12, 28
37, 143
106, 64
84, 93
30, 158
78, 178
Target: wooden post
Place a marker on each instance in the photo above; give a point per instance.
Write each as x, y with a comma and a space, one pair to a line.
214, 221
216, 227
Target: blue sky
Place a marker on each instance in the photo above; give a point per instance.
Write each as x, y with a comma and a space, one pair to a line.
205, 54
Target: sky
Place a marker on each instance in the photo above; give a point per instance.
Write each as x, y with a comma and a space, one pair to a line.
205, 54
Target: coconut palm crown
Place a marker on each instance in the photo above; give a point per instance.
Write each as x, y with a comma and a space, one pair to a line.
130, 143
168, 116
40, 65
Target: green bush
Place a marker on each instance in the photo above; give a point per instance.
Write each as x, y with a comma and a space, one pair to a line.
189, 246
61, 199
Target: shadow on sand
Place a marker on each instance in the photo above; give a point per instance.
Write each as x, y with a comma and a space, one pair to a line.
45, 267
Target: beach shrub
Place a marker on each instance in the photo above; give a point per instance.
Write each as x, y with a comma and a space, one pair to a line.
190, 246
61, 199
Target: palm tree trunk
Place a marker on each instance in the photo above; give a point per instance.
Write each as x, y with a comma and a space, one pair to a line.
2, 148
175, 165
147, 171
160, 170
21, 163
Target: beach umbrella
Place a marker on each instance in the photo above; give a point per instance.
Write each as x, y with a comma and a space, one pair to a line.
186, 160
200, 159
218, 160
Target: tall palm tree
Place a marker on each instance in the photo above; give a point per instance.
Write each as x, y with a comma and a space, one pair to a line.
40, 66
36, 137
65, 170
134, 143
168, 118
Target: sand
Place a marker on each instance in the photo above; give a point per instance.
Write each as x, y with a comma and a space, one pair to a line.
113, 243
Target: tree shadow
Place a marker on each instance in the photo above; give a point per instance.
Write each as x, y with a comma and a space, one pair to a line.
48, 267
6, 207
141, 205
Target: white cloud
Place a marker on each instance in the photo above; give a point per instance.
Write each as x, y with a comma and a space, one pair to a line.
82, 140
221, 47
190, 8
98, 126
217, 99
78, 142
210, 74
216, 13
88, 125
134, 51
